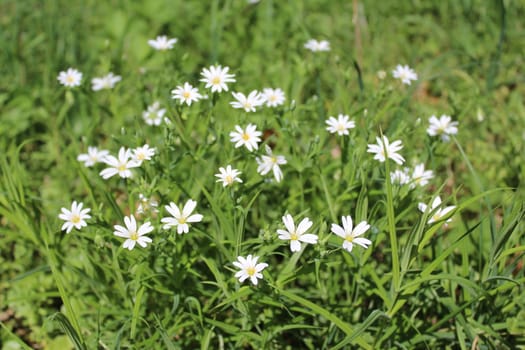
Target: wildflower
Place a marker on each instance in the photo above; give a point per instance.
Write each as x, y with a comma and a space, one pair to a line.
350, 234
93, 156
70, 78
133, 235
420, 176
383, 148
181, 219
295, 236
228, 176
248, 137
147, 204
444, 127
273, 97
437, 213
216, 77
341, 125
143, 153
162, 43
249, 103
120, 166
186, 93
381, 74
106, 82
400, 177
75, 217
270, 162
154, 114
249, 268
315, 46
405, 73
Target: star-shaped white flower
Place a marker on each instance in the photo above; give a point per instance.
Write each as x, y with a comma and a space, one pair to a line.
351, 234
437, 213
162, 43
249, 268
228, 176
273, 97
93, 156
76, 217
186, 93
405, 74
154, 115
400, 177
248, 137
391, 149
216, 78
444, 127
297, 235
132, 235
143, 153
120, 166
70, 78
270, 162
106, 82
317, 46
341, 125
249, 103
420, 176
181, 219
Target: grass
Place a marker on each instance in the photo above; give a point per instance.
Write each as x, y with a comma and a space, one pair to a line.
418, 286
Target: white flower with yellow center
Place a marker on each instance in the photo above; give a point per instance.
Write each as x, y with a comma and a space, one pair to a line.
400, 177
120, 166
249, 268
420, 176
154, 114
106, 82
270, 162
436, 213
216, 78
162, 43
341, 125
248, 137
273, 97
384, 148
317, 46
179, 218
93, 156
351, 234
75, 217
405, 74
444, 127
143, 153
132, 234
297, 235
248, 103
228, 176
186, 93
70, 78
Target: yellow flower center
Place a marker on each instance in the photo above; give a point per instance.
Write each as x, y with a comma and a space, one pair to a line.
245, 137
70, 79
340, 127
229, 179
182, 221
247, 105
349, 238
273, 159
216, 81
141, 156
436, 217
186, 94
134, 236
75, 219
122, 167
250, 271
273, 98
294, 236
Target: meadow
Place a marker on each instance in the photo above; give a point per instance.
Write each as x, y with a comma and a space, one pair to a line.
233, 174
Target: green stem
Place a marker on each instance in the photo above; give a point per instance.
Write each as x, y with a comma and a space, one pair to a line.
392, 227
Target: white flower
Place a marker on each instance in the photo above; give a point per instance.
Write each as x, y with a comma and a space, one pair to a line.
93, 156
297, 235
341, 125
181, 219
389, 148
420, 176
249, 268
75, 217
162, 43
228, 176
405, 73
444, 127
107, 82
437, 213
186, 93
70, 78
315, 46
154, 114
249, 103
119, 166
147, 204
350, 234
216, 77
248, 137
133, 235
143, 153
270, 162
400, 177
273, 97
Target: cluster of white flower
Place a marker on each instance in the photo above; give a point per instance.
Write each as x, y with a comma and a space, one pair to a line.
418, 177
73, 77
